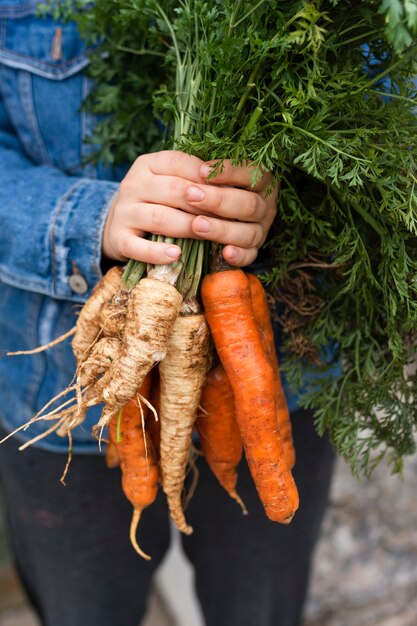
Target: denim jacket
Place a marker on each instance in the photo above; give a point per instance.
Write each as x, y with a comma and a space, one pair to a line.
52, 213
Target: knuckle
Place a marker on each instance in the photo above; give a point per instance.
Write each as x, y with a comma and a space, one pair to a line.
253, 206
141, 161
217, 201
219, 170
219, 232
266, 179
140, 165
262, 233
181, 157
127, 246
126, 185
150, 252
157, 219
176, 187
184, 163
254, 236
225, 170
153, 253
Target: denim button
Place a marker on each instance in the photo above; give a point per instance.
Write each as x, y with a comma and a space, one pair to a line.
78, 284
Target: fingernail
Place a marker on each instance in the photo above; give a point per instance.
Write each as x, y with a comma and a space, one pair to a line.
194, 194
205, 171
203, 225
173, 252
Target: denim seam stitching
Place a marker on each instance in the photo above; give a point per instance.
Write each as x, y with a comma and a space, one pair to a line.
3, 32
55, 71
21, 283
38, 287
86, 131
19, 11
61, 205
29, 58
26, 89
9, 112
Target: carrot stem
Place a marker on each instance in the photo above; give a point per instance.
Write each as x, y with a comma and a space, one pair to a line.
132, 274
119, 422
166, 273
198, 270
187, 275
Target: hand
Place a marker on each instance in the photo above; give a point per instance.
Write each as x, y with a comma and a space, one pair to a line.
169, 193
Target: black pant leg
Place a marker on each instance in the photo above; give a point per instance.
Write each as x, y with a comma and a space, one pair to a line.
71, 544
250, 571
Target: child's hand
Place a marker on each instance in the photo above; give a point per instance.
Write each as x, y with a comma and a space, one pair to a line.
168, 193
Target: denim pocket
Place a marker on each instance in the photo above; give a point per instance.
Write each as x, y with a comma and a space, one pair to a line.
43, 86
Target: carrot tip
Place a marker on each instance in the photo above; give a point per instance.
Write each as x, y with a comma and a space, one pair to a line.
182, 525
233, 494
133, 528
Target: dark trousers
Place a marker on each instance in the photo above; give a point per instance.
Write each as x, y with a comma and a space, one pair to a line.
72, 551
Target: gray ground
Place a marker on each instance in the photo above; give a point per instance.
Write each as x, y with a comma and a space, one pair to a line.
366, 564
365, 570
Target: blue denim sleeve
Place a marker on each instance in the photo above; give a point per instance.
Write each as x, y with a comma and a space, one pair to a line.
50, 225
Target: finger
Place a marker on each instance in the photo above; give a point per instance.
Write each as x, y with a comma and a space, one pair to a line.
227, 202
239, 256
172, 191
175, 163
247, 176
153, 252
160, 219
244, 235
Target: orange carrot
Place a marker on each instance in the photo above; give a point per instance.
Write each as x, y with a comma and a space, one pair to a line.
145, 392
112, 454
221, 442
228, 306
138, 462
263, 321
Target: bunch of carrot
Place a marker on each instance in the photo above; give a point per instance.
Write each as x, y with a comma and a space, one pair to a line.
239, 404
133, 323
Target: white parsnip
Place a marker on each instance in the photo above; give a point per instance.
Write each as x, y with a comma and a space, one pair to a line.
151, 313
182, 372
105, 352
87, 328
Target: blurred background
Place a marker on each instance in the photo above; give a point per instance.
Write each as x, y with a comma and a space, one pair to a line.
365, 566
